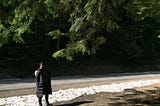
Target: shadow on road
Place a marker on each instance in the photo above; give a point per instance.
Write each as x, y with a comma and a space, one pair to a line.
75, 103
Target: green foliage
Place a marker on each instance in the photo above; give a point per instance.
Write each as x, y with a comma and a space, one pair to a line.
4, 35
79, 21
58, 54
76, 25
20, 16
143, 9
56, 34
71, 49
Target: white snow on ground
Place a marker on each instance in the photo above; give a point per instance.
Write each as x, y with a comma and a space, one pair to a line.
69, 94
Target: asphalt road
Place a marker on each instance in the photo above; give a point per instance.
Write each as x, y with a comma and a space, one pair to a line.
10, 84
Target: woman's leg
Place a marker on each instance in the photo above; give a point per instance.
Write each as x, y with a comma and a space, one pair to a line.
46, 97
40, 101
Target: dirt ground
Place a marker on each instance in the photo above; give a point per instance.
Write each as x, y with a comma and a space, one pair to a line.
144, 96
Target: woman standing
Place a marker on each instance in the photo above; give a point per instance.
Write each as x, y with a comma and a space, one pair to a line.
43, 84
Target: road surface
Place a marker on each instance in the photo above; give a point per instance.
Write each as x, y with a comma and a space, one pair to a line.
10, 84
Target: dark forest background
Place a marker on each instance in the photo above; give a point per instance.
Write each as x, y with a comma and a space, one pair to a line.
79, 37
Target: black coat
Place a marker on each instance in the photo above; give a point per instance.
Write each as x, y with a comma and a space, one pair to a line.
43, 82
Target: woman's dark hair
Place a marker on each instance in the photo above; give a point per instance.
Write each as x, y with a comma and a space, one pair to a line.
40, 63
